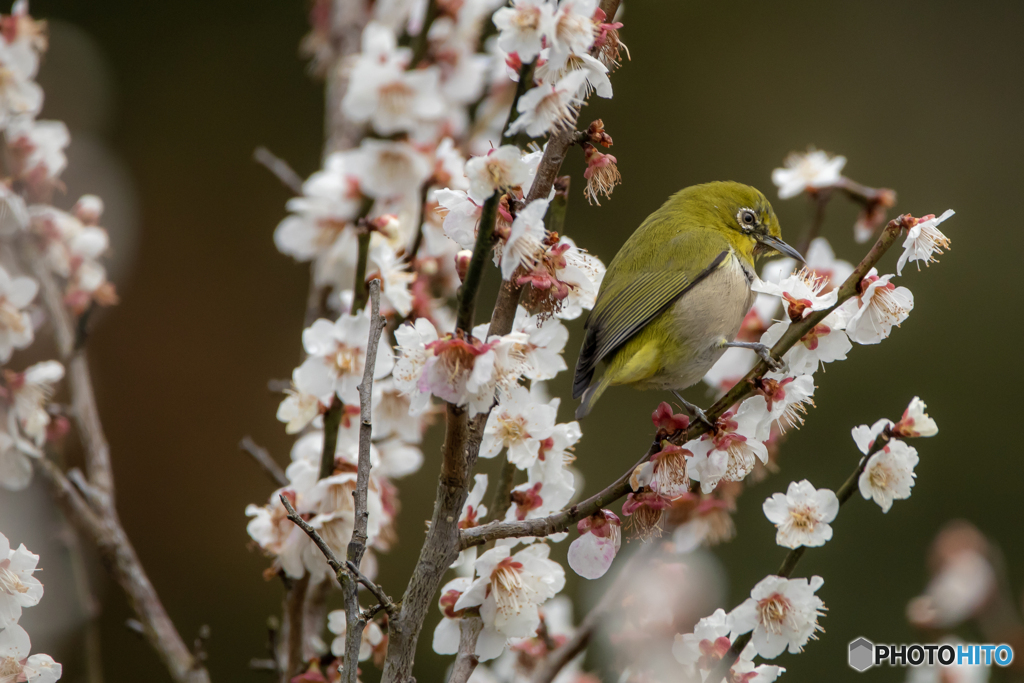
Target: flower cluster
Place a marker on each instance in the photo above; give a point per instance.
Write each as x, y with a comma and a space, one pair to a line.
20, 589
69, 246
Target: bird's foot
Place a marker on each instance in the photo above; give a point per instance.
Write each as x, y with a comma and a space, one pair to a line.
694, 410
765, 353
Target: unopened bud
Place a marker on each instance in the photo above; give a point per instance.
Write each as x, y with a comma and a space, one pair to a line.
462, 260
88, 209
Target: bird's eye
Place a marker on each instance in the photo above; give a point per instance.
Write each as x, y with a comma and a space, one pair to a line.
748, 217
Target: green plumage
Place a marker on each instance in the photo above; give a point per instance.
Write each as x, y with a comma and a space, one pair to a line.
645, 324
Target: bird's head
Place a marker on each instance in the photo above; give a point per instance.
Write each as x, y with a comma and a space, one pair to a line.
744, 215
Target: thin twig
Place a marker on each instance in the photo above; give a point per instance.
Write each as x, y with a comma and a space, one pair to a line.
279, 167
263, 458
357, 543
466, 660
332, 559
421, 43
560, 521
820, 201
793, 556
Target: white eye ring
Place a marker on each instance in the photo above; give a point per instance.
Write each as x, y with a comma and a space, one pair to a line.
747, 219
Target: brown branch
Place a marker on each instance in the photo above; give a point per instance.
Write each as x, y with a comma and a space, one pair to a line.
335, 564
263, 458
561, 521
420, 45
357, 544
103, 529
793, 557
466, 660
502, 500
293, 657
96, 516
279, 167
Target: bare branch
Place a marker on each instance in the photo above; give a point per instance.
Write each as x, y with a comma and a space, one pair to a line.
466, 660
263, 458
502, 499
357, 544
279, 167
332, 559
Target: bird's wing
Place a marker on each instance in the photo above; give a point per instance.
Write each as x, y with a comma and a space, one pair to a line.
623, 310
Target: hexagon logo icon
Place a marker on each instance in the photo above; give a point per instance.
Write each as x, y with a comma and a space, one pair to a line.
862, 654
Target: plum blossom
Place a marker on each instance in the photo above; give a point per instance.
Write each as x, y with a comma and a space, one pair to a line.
924, 240
413, 355
16, 293
387, 95
15, 466
802, 515
880, 306
915, 421
460, 370
17, 665
337, 353
807, 172
395, 277
518, 423
545, 491
781, 400
889, 474
37, 148
826, 342
18, 588
541, 352
563, 282
802, 293
574, 29
489, 645
732, 366
645, 509
461, 216
388, 169
548, 107
525, 240
497, 171
865, 436
32, 390
523, 26
699, 653
510, 588
709, 522
782, 613
591, 554
729, 452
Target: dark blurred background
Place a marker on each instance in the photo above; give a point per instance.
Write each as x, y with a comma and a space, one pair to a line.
166, 102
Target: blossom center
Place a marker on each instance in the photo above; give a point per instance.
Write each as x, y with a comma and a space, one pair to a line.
803, 517
509, 589
395, 97
10, 316
10, 583
772, 611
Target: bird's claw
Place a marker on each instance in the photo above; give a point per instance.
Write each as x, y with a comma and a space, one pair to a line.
694, 410
773, 363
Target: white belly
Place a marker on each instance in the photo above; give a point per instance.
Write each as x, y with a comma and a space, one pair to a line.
707, 315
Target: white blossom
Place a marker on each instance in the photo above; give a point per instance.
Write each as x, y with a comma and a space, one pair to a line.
924, 240
781, 400
877, 309
548, 107
32, 391
17, 665
413, 355
461, 216
802, 293
826, 342
337, 353
523, 26
16, 293
39, 146
15, 466
802, 515
18, 588
519, 424
889, 474
782, 613
498, 170
593, 551
865, 436
525, 239
915, 421
574, 30
541, 353
810, 171
509, 588
729, 453
388, 169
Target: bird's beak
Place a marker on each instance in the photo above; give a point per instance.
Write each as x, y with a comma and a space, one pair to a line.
779, 246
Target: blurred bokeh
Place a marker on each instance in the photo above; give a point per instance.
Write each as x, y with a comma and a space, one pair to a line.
166, 102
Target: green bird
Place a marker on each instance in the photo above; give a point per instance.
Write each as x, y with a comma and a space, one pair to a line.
674, 297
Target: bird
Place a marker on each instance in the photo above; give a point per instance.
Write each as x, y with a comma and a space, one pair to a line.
675, 295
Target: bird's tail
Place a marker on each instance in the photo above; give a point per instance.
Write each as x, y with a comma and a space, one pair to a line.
591, 395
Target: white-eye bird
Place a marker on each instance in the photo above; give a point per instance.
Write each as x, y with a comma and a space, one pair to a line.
674, 297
